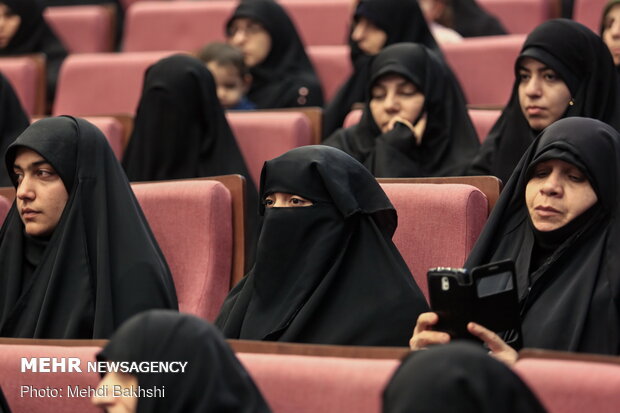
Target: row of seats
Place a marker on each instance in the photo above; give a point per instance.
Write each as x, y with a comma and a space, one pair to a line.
201, 240
305, 384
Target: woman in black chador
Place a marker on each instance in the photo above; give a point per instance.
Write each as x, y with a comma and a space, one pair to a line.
326, 268
77, 257
180, 130
13, 121
282, 74
376, 24
558, 220
25, 31
213, 379
564, 69
469, 19
457, 378
415, 122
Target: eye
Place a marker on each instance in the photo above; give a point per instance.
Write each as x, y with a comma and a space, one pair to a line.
19, 175
541, 172
577, 177
268, 202
523, 76
550, 76
377, 94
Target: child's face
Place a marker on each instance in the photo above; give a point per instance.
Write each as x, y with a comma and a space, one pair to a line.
230, 85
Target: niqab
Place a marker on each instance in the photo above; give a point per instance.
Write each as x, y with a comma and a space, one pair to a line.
449, 141
101, 264
457, 377
13, 121
327, 273
286, 77
402, 21
213, 381
583, 62
34, 35
569, 299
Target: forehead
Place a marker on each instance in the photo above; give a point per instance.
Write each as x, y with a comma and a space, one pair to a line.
26, 156
557, 163
392, 79
224, 71
614, 10
532, 64
244, 22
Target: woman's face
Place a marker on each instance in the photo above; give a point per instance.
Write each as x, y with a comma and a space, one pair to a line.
9, 23
394, 96
543, 96
611, 33
251, 38
41, 195
284, 200
369, 38
114, 393
557, 193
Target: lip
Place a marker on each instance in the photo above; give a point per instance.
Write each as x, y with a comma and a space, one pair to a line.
28, 213
546, 211
534, 110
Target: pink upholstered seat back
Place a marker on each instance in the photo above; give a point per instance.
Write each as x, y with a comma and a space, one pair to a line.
589, 13
113, 82
5, 205
192, 222
321, 22
518, 16
570, 386
485, 67
264, 135
83, 29
113, 131
27, 79
438, 224
332, 65
11, 379
306, 384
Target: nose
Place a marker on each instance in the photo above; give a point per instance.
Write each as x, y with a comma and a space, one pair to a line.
552, 186
391, 103
533, 87
221, 93
615, 29
238, 37
24, 190
358, 31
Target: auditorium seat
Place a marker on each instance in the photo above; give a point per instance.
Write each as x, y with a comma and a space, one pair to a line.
266, 134
192, 222
100, 84
589, 13
438, 224
113, 130
573, 386
321, 22
483, 120
12, 378
83, 29
518, 16
309, 384
332, 65
27, 76
5, 205
484, 67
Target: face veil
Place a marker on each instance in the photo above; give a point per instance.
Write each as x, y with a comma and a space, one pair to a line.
327, 273
101, 264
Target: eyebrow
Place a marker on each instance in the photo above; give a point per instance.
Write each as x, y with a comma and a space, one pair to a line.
36, 163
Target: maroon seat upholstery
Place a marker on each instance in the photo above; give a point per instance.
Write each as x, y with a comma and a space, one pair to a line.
192, 222
332, 65
83, 29
27, 76
5, 205
518, 16
321, 22
589, 12
264, 135
438, 224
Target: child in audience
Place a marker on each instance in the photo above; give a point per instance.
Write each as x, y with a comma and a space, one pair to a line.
231, 75
77, 257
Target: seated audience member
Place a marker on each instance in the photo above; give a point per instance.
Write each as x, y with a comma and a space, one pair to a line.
471, 20
23, 30
180, 131
375, 25
415, 122
326, 268
282, 74
457, 378
564, 69
212, 380
610, 29
557, 219
77, 257
13, 121
439, 16
230, 73
4, 406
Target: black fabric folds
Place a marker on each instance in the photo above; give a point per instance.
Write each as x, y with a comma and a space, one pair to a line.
327, 273
4, 406
571, 301
214, 380
180, 131
102, 264
286, 77
402, 21
471, 20
458, 377
34, 35
583, 62
13, 121
449, 141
